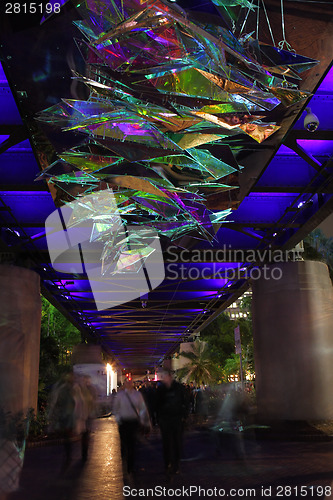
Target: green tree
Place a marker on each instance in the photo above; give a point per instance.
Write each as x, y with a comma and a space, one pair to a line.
219, 335
246, 306
58, 337
221, 338
54, 324
200, 367
231, 366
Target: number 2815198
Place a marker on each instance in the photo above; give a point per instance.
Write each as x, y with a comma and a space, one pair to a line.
32, 8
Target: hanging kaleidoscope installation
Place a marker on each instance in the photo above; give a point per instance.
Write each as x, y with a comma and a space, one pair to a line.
163, 90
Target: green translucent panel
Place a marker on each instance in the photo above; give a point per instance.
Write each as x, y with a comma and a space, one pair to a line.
128, 209
87, 30
218, 217
214, 52
109, 9
209, 185
116, 116
285, 72
180, 161
76, 178
138, 24
56, 115
157, 71
90, 108
266, 101
142, 196
103, 231
228, 38
234, 3
100, 207
192, 140
136, 131
132, 260
89, 162
190, 82
288, 97
215, 166
304, 67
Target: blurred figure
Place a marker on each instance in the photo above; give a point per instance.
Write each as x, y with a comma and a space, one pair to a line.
14, 425
12, 445
149, 394
201, 406
89, 398
172, 405
61, 414
231, 420
192, 393
112, 400
130, 410
70, 412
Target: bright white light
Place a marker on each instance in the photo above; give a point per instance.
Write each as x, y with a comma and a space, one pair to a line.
111, 379
108, 378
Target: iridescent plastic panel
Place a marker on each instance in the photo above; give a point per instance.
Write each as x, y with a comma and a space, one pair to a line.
161, 93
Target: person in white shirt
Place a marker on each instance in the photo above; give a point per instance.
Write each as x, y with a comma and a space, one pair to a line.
130, 411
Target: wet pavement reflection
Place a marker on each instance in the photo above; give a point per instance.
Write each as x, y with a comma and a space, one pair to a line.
274, 468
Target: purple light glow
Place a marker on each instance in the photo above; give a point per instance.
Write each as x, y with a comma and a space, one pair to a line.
269, 195
284, 150
315, 147
327, 83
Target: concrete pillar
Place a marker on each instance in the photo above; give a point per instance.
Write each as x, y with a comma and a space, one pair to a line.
20, 318
293, 342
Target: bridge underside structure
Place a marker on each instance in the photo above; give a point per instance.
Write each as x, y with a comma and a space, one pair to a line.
285, 188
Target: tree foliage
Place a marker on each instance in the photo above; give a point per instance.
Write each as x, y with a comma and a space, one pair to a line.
200, 367
232, 365
220, 337
58, 336
54, 324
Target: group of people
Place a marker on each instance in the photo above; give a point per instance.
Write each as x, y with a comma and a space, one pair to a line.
167, 405
171, 409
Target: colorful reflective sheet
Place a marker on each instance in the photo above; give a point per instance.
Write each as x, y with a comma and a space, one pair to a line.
166, 93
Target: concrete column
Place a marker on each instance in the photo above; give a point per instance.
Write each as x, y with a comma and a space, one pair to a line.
20, 318
293, 342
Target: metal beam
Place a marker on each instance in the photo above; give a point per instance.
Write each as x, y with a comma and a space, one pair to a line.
17, 135
310, 225
318, 135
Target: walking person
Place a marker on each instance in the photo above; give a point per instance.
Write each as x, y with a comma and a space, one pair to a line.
62, 415
130, 410
172, 405
89, 399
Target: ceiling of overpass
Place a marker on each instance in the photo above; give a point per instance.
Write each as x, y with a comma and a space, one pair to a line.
285, 188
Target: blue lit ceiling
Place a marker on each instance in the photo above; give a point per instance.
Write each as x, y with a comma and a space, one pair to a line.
285, 190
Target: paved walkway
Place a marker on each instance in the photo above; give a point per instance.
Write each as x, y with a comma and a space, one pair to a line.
271, 469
